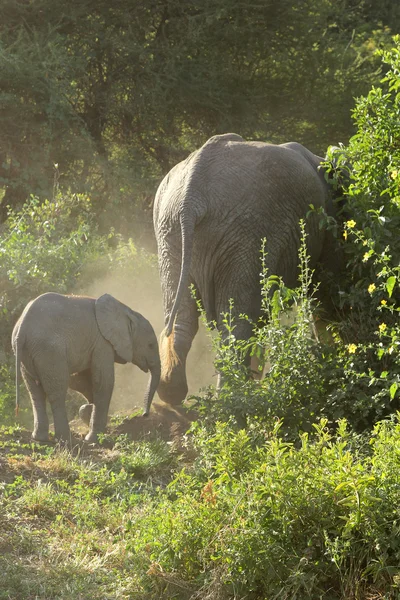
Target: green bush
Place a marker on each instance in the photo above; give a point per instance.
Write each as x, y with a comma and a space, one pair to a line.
43, 248
370, 298
274, 520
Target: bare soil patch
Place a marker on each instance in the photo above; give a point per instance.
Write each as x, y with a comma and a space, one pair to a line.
164, 420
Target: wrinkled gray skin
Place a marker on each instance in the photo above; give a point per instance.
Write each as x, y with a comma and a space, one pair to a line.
210, 214
73, 341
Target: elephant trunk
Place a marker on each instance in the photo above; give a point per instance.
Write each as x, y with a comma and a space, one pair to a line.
155, 373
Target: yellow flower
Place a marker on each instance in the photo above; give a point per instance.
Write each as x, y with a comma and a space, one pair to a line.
345, 235
366, 257
394, 174
383, 302
371, 288
382, 327
351, 348
350, 224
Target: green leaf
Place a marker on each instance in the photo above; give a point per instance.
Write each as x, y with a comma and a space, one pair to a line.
393, 390
390, 285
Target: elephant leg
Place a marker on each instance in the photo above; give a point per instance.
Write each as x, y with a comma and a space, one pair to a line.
246, 295
58, 408
55, 385
38, 398
103, 385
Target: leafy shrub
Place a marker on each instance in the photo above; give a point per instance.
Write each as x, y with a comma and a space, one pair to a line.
7, 394
276, 520
43, 248
370, 298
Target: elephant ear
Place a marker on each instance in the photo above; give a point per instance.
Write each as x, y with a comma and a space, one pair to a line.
116, 325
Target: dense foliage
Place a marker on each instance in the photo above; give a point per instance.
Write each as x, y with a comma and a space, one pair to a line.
370, 298
115, 93
270, 520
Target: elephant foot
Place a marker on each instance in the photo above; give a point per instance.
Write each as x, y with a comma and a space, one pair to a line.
63, 436
85, 413
91, 438
40, 436
172, 394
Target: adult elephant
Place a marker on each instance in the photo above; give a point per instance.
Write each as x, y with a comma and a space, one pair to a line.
73, 341
210, 214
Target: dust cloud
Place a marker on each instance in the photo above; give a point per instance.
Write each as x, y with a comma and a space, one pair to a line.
142, 293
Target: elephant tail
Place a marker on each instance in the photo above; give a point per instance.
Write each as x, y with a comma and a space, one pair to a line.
169, 357
187, 231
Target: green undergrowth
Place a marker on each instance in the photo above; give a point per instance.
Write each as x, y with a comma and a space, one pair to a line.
250, 517
65, 515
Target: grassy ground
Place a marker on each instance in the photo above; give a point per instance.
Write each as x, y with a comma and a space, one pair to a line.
231, 515
66, 516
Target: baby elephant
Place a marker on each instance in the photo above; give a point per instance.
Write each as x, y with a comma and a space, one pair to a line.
73, 341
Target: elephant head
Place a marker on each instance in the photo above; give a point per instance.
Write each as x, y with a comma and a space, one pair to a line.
132, 338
